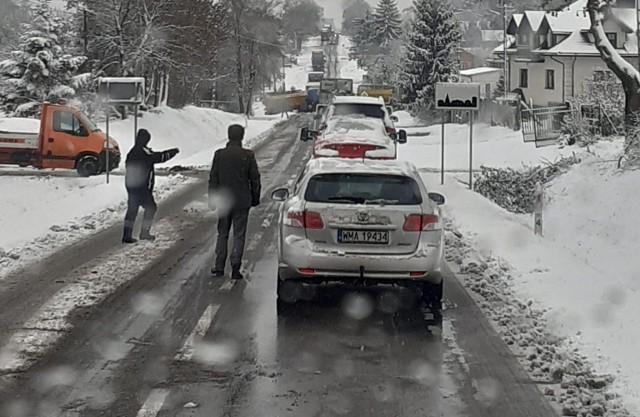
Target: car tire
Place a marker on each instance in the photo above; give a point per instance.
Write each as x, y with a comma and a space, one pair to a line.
432, 297
88, 165
281, 304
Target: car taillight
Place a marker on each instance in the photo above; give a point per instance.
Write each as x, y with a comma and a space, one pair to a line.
313, 220
421, 222
304, 220
390, 129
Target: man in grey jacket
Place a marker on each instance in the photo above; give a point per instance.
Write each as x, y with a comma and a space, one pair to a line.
234, 184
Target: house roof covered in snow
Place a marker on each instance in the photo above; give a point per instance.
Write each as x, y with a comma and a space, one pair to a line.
534, 17
477, 71
579, 43
569, 19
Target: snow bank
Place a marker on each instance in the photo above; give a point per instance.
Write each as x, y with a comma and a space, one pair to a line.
196, 131
44, 214
492, 146
579, 280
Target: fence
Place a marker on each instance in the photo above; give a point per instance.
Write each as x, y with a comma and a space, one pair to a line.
491, 112
543, 125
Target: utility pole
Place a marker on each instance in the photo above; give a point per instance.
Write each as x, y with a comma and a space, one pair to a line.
638, 29
505, 43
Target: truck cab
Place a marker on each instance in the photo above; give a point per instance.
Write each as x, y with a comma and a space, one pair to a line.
67, 139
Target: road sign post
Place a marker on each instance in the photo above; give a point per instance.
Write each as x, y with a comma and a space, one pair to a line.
442, 154
458, 96
537, 209
120, 91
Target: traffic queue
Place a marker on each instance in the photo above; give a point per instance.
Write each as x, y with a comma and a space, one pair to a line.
357, 215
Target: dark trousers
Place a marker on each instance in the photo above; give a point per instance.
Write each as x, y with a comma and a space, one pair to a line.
137, 199
238, 219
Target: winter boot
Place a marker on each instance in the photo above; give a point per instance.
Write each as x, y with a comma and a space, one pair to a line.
127, 236
146, 235
236, 274
216, 272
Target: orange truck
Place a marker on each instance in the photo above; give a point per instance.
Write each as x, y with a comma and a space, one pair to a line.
64, 138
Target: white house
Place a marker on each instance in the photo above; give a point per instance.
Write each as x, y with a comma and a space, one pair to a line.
552, 56
487, 77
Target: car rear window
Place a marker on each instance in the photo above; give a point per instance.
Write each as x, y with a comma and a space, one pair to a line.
368, 110
363, 189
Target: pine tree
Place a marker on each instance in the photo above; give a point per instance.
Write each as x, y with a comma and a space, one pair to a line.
39, 70
386, 22
498, 91
431, 51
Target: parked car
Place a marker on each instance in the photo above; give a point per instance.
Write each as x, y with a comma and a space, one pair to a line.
354, 136
365, 222
373, 107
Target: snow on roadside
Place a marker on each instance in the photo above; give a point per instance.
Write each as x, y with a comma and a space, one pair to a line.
496, 147
198, 132
46, 214
89, 285
560, 301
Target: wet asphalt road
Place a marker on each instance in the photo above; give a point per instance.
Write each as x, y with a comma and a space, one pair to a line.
181, 343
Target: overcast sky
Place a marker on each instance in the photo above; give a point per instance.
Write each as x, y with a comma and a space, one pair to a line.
333, 8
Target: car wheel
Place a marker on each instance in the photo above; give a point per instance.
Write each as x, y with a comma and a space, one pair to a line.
286, 295
88, 165
432, 297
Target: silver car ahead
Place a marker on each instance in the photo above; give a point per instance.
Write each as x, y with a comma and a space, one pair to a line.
361, 222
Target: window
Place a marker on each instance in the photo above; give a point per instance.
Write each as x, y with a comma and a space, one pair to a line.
524, 38
558, 38
66, 122
524, 78
363, 189
550, 80
487, 90
613, 38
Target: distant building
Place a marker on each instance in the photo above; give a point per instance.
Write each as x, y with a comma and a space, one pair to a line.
467, 59
487, 77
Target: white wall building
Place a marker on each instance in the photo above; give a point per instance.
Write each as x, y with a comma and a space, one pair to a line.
552, 56
487, 77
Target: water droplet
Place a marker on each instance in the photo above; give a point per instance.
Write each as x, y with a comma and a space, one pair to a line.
357, 306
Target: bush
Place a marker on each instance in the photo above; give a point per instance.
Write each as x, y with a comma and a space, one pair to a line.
514, 190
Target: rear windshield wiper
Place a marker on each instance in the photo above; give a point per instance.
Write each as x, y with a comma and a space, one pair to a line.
356, 200
382, 201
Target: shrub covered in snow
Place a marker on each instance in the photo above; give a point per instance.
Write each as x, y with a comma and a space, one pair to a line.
514, 189
40, 70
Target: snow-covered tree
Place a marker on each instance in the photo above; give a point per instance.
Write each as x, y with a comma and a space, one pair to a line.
41, 69
352, 11
386, 22
498, 91
431, 51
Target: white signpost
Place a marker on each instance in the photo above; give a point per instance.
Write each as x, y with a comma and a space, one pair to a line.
458, 96
122, 91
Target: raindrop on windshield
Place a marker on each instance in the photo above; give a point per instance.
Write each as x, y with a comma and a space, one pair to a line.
357, 306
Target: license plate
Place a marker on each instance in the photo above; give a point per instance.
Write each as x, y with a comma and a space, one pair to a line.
369, 237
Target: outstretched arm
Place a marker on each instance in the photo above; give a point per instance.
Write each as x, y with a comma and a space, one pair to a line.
160, 157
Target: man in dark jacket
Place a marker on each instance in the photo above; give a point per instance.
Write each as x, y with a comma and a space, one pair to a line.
139, 180
234, 183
